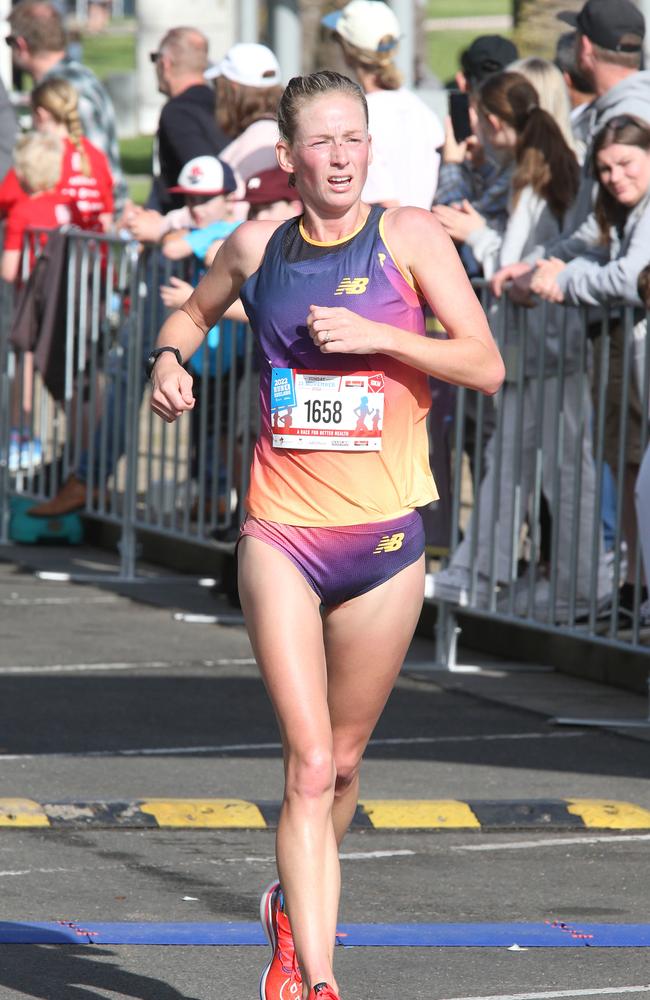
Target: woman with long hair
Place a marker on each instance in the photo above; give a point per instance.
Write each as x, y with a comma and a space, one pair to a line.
248, 91
406, 134
605, 269
551, 89
86, 180
331, 559
536, 345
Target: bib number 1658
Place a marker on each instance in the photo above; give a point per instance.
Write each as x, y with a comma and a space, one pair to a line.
323, 411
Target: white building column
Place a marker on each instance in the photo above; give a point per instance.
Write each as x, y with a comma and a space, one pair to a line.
286, 36
5, 51
405, 14
215, 18
248, 26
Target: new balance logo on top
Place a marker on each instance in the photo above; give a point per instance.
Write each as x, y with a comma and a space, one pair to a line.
389, 543
352, 286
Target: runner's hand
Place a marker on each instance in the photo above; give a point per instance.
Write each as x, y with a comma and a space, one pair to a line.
336, 330
171, 389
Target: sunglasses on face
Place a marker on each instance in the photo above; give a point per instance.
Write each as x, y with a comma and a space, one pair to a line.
12, 41
153, 56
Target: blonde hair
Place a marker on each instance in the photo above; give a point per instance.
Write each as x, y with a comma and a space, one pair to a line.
380, 64
37, 161
552, 91
60, 99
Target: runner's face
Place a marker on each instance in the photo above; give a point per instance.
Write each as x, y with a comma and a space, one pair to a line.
331, 151
625, 172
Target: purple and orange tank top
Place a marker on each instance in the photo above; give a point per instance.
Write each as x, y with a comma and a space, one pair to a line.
315, 488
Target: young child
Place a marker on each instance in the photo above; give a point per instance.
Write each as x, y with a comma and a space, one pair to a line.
37, 161
86, 177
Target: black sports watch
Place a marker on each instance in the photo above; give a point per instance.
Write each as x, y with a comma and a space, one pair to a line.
155, 354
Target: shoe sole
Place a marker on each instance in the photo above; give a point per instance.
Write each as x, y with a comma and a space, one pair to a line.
266, 920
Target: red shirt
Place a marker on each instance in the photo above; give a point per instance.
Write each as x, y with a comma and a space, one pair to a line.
92, 195
46, 211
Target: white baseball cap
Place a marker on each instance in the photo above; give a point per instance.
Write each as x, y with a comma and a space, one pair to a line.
205, 175
247, 63
366, 24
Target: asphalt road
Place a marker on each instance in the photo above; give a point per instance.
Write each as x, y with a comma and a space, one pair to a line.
104, 696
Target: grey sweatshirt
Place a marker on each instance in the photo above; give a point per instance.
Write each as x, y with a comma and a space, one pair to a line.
603, 273
631, 96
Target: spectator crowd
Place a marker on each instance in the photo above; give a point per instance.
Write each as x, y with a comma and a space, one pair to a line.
541, 177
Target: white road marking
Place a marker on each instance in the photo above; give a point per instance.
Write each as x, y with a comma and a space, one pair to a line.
29, 601
522, 845
552, 994
236, 747
200, 862
67, 668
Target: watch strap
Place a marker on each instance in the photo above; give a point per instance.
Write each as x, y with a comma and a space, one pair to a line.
155, 354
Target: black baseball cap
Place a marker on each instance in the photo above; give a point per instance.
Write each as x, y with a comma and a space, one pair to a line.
486, 55
617, 25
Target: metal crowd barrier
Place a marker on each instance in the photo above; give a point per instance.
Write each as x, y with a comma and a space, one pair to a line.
521, 473
529, 541
92, 419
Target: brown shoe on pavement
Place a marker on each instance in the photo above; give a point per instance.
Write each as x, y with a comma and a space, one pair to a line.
71, 497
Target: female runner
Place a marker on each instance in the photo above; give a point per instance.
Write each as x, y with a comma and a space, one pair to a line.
331, 566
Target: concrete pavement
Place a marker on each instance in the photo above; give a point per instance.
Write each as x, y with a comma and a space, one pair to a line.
105, 697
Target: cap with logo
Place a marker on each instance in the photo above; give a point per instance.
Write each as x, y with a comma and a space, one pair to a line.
268, 186
366, 24
247, 63
486, 55
616, 25
205, 175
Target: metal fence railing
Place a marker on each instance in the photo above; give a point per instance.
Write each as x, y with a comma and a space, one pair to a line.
531, 534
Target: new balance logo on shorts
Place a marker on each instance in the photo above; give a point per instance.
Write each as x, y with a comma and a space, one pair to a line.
352, 286
389, 543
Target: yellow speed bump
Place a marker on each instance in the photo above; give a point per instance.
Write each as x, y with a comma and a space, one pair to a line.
207, 813
608, 814
419, 813
22, 812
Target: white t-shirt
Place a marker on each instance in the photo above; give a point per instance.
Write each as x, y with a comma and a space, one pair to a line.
406, 135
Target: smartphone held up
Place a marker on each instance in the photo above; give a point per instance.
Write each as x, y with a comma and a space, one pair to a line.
459, 114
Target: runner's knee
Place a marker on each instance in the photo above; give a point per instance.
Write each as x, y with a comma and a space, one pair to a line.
347, 771
310, 773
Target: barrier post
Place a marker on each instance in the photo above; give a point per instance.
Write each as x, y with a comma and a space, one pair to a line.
128, 539
5, 413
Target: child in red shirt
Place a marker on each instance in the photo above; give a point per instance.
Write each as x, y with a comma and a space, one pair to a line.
85, 173
37, 161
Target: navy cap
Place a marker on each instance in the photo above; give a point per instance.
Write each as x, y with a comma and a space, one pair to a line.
616, 25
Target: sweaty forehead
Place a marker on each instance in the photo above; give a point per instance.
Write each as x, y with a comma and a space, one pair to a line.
331, 114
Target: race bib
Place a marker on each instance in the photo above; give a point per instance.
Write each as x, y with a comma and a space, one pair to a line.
327, 411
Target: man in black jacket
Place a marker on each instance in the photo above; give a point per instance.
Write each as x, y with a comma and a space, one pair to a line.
187, 126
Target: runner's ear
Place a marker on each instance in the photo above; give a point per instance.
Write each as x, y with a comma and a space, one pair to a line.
285, 158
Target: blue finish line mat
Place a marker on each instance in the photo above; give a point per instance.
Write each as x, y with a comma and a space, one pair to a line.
550, 934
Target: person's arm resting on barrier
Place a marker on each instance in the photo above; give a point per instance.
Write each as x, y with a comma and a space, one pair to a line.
469, 357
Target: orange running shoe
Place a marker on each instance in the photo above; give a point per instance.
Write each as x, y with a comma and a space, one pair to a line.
281, 979
321, 991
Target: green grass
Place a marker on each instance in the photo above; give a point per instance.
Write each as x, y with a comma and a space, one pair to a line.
109, 53
445, 48
468, 8
139, 188
136, 154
